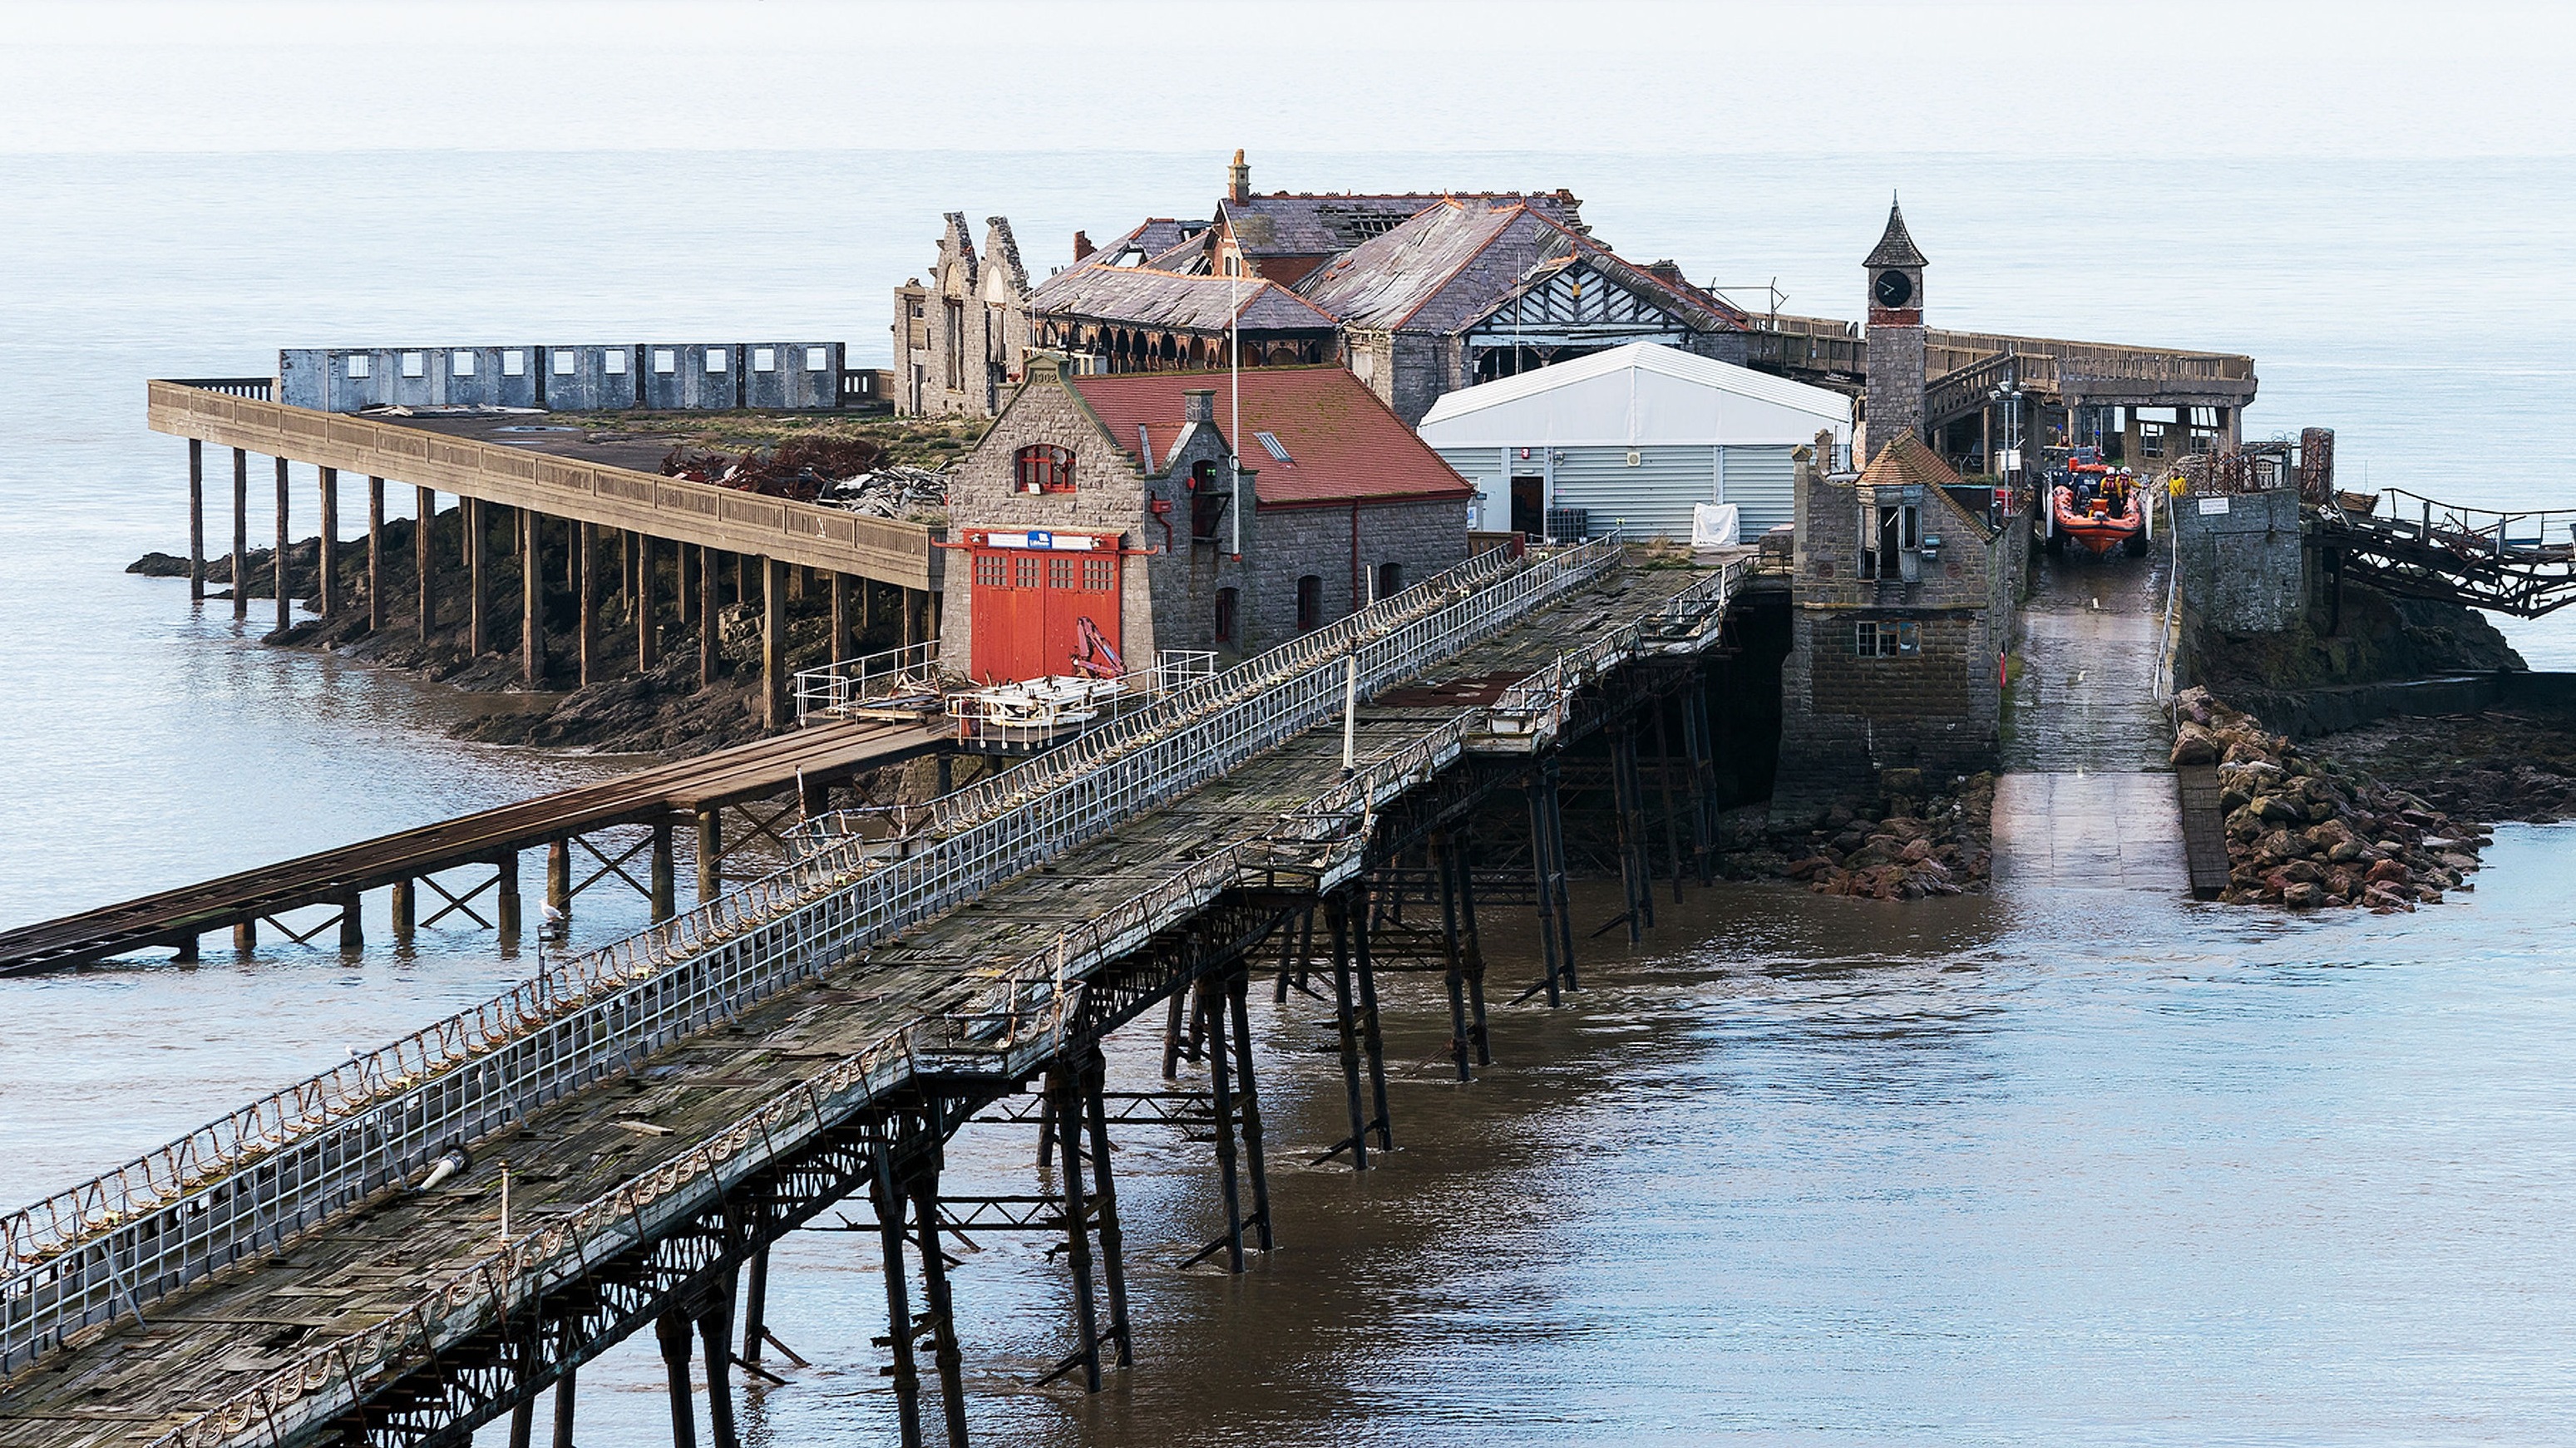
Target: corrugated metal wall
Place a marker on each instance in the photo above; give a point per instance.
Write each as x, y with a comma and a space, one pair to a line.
1762, 484
1483, 466
1652, 499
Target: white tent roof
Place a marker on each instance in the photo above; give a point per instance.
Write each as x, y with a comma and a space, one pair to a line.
1642, 393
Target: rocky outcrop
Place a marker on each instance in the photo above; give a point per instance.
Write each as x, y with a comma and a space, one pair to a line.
1925, 843
2306, 832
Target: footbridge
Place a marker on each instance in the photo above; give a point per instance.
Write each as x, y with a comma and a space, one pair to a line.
2400, 542
433, 1235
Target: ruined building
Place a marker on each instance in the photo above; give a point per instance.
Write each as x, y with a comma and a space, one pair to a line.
958, 341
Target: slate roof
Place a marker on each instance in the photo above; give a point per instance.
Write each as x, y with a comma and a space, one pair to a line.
1343, 444
1895, 246
1451, 266
1144, 297
1907, 459
1305, 224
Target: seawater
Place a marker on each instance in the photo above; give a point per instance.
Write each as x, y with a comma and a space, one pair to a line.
2086, 1168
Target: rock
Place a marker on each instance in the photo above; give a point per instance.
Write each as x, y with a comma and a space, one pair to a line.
1907, 783
1914, 853
1809, 868
2303, 896
2194, 746
2347, 851
2304, 872
2387, 872
2383, 897
2279, 809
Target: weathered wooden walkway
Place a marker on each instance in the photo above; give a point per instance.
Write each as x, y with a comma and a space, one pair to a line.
874, 995
338, 877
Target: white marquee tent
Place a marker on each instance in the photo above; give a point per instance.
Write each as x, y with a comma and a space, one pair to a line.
1633, 436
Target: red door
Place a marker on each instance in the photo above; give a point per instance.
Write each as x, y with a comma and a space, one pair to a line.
1031, 610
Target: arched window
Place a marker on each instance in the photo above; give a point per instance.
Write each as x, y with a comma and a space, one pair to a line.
1207, 505
1042, 467
1225, 606
1390, 579
1310, 603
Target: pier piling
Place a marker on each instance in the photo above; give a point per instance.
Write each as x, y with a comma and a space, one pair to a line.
196, 520
774, 676
648, 639
839, 646
405, 912
586, 552
664, 906
285, 608
477, 529
673, 1330
326, 589
889, 1204
423, 560
507, 923
710, 661
241, 532
532, 601
710, 853
376, 553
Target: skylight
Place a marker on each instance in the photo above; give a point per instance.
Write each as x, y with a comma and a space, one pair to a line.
1271, 441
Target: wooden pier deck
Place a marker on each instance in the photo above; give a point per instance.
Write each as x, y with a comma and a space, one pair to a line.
137, 1380
728, 777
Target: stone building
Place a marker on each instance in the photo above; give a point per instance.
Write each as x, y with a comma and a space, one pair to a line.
1099, 522
1901, 608
1288, 236
1471, 290
958, 341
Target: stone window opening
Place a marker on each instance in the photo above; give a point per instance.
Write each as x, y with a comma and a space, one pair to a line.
358, 366
1892, 541
1227, 601
1042, 467
1887, 639
461, 363
1390, 580
1310, 603
954, 313
613, 362
564, 358
1207, 505
514, 363
764, 359
411, 364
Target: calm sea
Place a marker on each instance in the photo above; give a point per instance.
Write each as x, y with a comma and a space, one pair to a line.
1980, 1171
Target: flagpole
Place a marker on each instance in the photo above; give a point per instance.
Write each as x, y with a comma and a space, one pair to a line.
1234, 429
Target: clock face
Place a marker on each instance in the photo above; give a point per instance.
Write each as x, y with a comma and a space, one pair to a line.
1892, 289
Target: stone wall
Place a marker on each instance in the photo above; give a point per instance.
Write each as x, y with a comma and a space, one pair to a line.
960, 339
2240, 564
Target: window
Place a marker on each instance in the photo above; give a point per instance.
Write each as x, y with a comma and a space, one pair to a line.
1024, 571
1390, 579
715, 359
1226, 603
992, 571
1892, 535
1098, 574
613, 362
358, 365
1310, 603
954, 314
514, 362
563, 358
665, 361
461, 363
764, 359
412, 364
818, 359
1060, 572
1042, 467
1270, 443
1873, 639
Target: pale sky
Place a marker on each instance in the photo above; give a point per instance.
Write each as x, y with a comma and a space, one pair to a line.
2081, 81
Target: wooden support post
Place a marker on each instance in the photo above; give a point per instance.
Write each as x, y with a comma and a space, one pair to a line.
532, 601
1370, 1039
1664, 782
424, 560
1337, 914
1104, 1192
840, 646
285, 605
245, 936
710, 660
1077, 1222
909, 613
907, 1379
375, 553
506, 864
664, 905
813, 797
558, 880
1557, 874
715, 1338
867, 606
326, 591
1172, 1032
648, 630
563, 1409
941, 1308
1221, 1087
673, 1330
406, 912
523, 1422
184, 949
684, 581
1247, 1106
774, 680
478, 576
586, 593
1543, 881
353, 925
196, 520
1472, 946
1457, 974
1694, 706
710, 852
755, 1304
241, 533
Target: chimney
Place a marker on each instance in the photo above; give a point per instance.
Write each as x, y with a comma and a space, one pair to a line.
1082, 247
1668, 272
1238, 179
1198, 404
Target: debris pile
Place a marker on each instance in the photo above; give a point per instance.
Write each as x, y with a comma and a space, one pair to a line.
1927, 844
2306, 833
894, 491
800, 469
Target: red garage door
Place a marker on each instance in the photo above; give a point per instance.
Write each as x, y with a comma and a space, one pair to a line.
1040, 613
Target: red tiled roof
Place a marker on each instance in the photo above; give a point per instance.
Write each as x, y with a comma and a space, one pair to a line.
1342, 443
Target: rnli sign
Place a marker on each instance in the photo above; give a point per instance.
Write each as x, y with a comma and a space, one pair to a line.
1044, 541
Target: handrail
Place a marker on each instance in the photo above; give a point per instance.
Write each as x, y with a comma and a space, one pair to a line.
173, 1215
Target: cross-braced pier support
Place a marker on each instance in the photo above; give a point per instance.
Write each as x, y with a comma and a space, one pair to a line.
1236, 1113
1547, 868
1346, 914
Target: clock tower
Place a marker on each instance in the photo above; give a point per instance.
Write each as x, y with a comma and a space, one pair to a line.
1895, 336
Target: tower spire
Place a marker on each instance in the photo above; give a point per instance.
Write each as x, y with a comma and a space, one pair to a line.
1895, 246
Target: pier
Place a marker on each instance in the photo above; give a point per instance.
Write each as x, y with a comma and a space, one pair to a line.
438, 1234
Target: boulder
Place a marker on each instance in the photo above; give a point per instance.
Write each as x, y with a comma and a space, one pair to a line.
2303, 896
